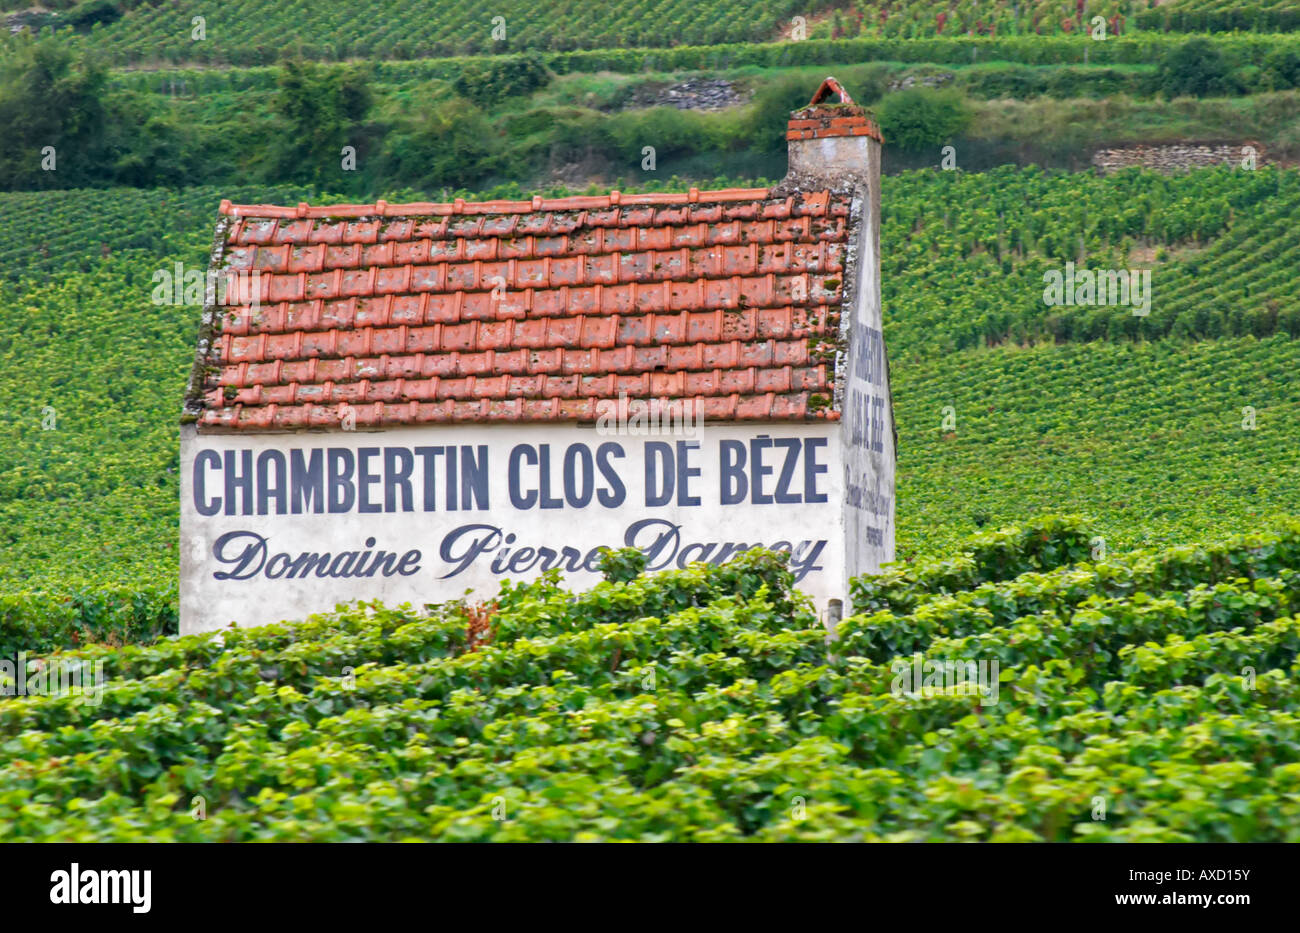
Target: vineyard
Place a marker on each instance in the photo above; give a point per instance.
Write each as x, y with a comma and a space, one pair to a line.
1148, 697
1135, 662
1146, 437
925, 18
1240, 50
1091, 632
244, 32
1154, 440
706, 704
922, 19
1220, 16
1216, 243
73, 231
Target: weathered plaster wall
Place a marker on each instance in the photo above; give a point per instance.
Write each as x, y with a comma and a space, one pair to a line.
867, 422
258, 587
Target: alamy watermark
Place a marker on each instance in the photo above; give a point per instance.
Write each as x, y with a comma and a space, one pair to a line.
52, 677
76, 885
231, 288
1115, 287
919, 677
649, 417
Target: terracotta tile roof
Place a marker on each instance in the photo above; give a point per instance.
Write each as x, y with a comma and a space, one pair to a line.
528, 310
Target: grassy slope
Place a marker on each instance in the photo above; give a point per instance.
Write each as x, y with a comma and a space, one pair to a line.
229, 128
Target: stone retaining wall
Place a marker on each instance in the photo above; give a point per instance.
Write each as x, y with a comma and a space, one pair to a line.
1176, 158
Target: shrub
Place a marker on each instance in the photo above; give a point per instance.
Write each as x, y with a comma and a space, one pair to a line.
487, 85
621, 565
35, 622
86, 15
320, 110
1282, 68
920, 117
691, 704
452, 144
1197, 68
670, 131
770, 111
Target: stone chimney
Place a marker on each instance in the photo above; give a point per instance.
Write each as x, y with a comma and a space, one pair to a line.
834, 144
835, 147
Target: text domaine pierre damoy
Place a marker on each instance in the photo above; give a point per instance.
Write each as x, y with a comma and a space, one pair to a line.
455, 478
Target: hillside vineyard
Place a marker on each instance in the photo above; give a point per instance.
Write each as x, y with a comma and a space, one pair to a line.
592, 422
1101, 419
492, 341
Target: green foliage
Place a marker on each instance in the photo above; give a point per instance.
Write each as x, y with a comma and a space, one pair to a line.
495, 80
1144, 438
1150, 441
696, 704
148, 146
992, 556
921, 117
452, 143
92, 372
1283, 68
322, 111
292, 122
773, 103
1220, 16
621, 565
100, 224
242, 33
985, 241
925, 19
39, 622
1021, 82
971, 53
672, 133
703, 704
53, 118
1197, 68
91, 12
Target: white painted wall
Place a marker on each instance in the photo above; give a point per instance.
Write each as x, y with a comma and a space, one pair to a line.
430, 548
866, 402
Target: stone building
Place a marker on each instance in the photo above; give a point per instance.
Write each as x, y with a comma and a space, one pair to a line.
408, 401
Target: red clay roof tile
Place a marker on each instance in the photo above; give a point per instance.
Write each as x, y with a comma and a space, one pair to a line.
536, 310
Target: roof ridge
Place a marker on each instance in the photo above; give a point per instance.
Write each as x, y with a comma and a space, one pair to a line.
607, 201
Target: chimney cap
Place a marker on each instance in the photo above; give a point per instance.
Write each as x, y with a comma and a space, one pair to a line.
832, 115
831, 144
824, 118
828, 87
